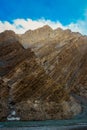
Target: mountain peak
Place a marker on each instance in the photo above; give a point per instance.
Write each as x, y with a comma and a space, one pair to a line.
40, 29
8, 35
7, 32
46, 27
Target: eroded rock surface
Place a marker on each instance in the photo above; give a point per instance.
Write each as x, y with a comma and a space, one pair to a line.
42, 78
4, 93
63, 55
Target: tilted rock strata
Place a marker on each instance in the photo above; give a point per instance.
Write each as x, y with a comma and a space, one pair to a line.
63, 56
41, 85
31, 87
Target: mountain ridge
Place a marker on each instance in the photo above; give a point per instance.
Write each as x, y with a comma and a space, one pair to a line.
41, 76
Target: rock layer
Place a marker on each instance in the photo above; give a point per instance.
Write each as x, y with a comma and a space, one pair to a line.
42, 79
63, 56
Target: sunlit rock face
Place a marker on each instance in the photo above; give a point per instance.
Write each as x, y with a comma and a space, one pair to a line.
42, 72
62, 54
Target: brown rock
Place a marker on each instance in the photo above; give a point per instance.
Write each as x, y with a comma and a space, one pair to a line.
41, 85
4, 93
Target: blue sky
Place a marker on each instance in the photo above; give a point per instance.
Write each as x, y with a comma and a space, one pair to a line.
64, 11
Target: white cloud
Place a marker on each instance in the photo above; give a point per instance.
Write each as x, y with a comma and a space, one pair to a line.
22, 25
80, 26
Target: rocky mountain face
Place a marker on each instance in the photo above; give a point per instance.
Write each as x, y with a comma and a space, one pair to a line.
42, 72
63, 55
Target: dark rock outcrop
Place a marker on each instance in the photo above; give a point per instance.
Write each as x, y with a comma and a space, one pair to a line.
4, 94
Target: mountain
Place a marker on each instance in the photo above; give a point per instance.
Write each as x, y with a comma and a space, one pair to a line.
63, 56
43, 72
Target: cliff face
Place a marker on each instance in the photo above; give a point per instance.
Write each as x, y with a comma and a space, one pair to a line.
11, 52
40, 81
63, 56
